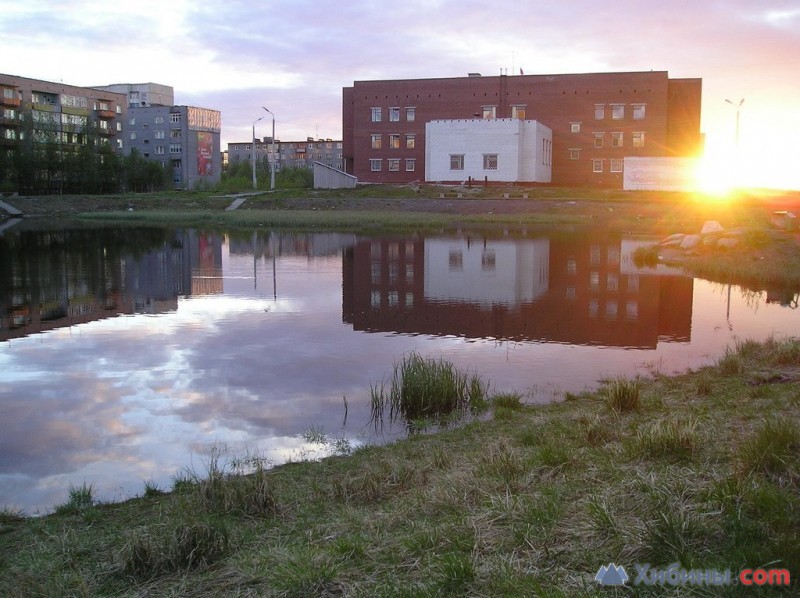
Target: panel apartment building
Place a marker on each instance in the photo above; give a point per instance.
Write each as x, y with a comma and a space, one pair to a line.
288, 154
596, 120
185, 139
72, 117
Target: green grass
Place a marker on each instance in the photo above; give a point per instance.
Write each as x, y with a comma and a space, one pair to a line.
529, 503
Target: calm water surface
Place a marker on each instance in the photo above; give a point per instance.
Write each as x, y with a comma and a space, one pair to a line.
127, 355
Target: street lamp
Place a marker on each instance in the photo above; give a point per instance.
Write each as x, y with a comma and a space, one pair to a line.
272, 162
738, 109
253, 153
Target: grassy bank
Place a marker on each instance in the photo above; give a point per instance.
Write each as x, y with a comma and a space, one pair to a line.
701, 468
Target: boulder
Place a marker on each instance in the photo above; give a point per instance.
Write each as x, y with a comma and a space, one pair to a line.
691, 241
728, 242
711, 226
672, 238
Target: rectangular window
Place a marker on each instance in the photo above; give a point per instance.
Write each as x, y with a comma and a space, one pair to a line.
489, 111
574, 153
597, 165
456, 161
599, 111
175, 134
376, 141
394, 115
133, 135
411, 139
159, 120
638, 111
617, 111
174, 117
160, 134
598, 140
616, 139
375, 164
394, 164
376, 114
490, 161
411, 164
518, 112
638, 139
159, 150
411, 114
175, 148
394, 141
616, 165
132, 121
574, 127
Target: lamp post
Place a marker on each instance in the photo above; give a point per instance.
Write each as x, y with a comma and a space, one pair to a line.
272, 162
253, 153
738, 109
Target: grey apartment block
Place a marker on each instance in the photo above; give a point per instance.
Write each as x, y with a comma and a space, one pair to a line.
289, 154
142, 95
185, 139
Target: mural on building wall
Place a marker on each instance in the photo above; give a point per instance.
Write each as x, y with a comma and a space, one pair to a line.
205, 163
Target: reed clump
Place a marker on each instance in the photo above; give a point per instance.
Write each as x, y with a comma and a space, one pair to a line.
424, 388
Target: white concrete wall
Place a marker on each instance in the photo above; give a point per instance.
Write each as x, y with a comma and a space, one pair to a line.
517, 143
659, 174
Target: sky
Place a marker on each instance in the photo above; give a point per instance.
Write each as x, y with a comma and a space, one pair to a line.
295, 56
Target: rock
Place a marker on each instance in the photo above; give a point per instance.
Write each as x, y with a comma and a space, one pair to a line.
691, 241
728, 242
711, 226
709, 241
671, 238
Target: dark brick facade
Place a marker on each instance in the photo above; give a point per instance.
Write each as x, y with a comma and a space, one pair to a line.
661, 114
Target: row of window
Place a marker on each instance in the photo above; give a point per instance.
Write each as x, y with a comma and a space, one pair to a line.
394, 114
457, 161
637, 139
394, 141
618, 111
376, 164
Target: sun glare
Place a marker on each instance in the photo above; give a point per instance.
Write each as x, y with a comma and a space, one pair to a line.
715, 175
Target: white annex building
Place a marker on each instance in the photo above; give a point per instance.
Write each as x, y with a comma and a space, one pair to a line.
506, 150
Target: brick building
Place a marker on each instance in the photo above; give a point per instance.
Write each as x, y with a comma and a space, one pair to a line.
596, 120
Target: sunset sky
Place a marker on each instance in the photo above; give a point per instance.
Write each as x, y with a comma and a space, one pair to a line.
294, 56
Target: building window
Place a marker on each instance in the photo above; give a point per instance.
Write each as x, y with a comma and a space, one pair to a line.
160, 134
411, 114
455, 260
599, 111
617, 111
574, 153
159, 120
175, 117
598, 140
410, 140
175, 148
394, 164
574, 127
456, 161
616, 139
638, 139
376, 141
490, 161
159, 150
133, 135
616, 165
394, 115
489, 112
488, 259
411, 164
394, 141
132, 121
638, 111
518, 112
175, 134
375, 164
376, 114
597, 165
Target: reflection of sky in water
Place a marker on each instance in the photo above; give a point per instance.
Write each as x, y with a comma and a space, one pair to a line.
118, 401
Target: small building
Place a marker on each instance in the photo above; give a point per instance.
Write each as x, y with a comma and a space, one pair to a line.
505, 150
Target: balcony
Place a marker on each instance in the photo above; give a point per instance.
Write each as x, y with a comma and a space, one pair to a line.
9, 122
106, 114
9, 102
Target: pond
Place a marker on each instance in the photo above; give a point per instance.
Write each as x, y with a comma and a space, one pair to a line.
129, 355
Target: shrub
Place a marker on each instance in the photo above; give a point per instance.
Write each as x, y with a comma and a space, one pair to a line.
622, 395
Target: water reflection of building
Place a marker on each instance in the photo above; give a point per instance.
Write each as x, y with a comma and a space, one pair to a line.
61, 278
268, 244
579, 291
